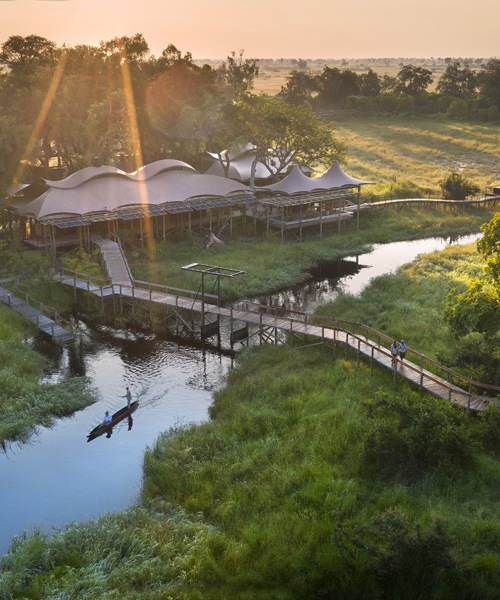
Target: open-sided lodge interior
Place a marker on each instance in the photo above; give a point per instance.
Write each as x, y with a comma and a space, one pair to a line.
169, 197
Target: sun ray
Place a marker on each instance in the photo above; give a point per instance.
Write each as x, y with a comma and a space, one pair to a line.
42, 115
136, 142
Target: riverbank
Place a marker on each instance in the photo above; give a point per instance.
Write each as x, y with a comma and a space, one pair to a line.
293, 491
26, 404
313, 479
271, 266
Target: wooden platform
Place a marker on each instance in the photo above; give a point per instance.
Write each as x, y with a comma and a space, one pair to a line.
294, 324
295, 327
44, 324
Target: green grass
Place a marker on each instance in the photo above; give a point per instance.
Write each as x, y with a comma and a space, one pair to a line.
272, 266
389, 151
269, 500
282, 493
409, 304
26, 404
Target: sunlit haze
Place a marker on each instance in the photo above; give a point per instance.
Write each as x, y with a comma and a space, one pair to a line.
293, 29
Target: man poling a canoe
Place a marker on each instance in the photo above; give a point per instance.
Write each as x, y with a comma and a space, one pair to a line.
128, 396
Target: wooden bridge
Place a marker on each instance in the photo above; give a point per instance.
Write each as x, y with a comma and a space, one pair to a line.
490, 200
36, 316
257, 323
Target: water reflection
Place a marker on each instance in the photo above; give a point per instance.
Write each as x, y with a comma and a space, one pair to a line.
52, 479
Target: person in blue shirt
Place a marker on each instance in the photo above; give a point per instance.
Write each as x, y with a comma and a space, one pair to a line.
402, 350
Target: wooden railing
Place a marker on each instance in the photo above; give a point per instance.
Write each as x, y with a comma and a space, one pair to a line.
42, 308
369, 335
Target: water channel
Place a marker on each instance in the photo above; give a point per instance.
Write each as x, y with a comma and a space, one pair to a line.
58, 477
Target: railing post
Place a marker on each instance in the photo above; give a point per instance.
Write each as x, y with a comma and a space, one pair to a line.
260, 329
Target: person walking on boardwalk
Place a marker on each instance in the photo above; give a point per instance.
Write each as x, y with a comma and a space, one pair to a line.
128, 396
402, 350
394, 351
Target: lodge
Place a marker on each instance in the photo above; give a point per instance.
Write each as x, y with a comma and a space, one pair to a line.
170, 196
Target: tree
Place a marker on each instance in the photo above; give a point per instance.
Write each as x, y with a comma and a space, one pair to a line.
489, 248
457, 82
237, 74
476, 309
457, 187
134, 49
334, 86
299, 87
21, 53
489, 82
369, 84
413, 80
284, 134
180, 90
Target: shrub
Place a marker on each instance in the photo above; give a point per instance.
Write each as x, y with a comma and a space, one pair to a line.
458, 110
457, 187
409, 439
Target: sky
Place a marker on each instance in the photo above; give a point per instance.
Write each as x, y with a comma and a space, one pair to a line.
269, 28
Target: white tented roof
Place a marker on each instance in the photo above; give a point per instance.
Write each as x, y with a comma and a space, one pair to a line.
336, 177
296, 182
142, 174
240, 169
293, 183
108, 193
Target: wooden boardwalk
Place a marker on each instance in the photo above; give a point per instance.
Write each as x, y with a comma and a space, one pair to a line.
116, 264
492, 200
44, 324
296, 325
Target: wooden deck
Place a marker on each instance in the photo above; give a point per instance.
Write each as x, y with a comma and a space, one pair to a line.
44, 324
258, 317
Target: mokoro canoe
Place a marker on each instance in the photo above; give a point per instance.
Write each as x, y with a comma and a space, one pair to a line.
116, 418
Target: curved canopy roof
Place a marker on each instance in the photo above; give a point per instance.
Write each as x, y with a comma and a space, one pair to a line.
142, 174
108, 193
296, 182
335, 177
240, 169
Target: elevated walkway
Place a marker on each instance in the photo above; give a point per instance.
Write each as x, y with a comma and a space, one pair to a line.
114, 260
268, 321
44, 323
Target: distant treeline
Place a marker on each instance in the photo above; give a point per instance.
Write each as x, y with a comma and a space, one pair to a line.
462, 92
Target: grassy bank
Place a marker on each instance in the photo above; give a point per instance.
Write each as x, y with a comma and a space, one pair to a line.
312, 480
26, 404
272, 266
284, 494
409, 304
393, 151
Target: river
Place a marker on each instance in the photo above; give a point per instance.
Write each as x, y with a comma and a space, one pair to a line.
58, 477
